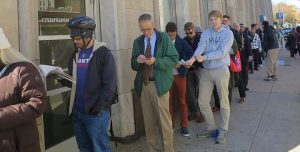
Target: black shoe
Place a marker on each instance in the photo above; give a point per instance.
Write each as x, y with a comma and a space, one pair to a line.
192, 116
247, 89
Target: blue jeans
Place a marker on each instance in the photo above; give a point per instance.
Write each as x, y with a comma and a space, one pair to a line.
91, 131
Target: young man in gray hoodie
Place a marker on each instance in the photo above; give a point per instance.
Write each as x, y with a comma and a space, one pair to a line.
215, 43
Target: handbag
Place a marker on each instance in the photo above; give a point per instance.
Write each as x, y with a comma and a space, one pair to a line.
235, 63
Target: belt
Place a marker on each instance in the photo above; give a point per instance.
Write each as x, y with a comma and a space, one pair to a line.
152, 79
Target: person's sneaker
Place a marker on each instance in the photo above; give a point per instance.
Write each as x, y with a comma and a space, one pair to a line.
221, 138
208, 133
185, 132
270, 78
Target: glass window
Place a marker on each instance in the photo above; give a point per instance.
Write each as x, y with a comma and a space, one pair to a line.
56, 48
54, 14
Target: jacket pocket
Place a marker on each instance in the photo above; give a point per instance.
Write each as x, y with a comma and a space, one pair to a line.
8, 143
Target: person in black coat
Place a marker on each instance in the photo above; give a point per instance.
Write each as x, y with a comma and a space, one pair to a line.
271, 46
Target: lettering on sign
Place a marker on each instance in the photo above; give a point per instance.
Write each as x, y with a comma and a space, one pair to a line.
54, 20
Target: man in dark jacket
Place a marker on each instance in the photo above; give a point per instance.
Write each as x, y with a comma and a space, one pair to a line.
179, 72
271, 46
93, 68
246, 54
236, 76
192, 38
153, 58
291, 42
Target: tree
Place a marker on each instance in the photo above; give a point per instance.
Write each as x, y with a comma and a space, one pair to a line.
291, 14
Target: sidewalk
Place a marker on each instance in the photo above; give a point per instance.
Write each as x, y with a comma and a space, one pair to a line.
269, 120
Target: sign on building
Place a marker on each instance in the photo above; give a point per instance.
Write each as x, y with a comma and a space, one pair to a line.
280, 16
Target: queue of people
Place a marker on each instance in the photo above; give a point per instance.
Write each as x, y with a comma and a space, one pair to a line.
168, 68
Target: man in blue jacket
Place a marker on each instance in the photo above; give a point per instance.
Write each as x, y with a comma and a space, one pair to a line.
179, 72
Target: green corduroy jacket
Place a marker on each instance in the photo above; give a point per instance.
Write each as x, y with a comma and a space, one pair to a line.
166, 57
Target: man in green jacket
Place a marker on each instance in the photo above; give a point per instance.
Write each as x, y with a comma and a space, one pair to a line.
154, 57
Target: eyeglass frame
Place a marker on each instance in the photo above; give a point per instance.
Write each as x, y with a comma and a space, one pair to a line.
78, 37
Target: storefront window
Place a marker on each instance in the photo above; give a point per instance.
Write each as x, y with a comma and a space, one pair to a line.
55, 49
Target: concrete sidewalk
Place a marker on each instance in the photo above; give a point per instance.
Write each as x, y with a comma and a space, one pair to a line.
269, 120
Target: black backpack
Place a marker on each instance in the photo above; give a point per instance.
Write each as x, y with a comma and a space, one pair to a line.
115, 98
104, 52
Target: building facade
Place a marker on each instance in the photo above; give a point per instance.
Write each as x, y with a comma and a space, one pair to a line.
37, 28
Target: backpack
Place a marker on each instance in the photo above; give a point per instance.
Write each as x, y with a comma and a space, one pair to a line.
115, 98
100, 65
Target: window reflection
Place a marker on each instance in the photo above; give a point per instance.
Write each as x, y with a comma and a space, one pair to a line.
54, 14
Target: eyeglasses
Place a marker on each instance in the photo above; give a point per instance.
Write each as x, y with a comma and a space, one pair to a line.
145, 30
189, 33
78, 37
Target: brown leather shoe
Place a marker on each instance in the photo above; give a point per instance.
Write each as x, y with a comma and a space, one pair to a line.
242, 100
200, 119
192, 116
215, 109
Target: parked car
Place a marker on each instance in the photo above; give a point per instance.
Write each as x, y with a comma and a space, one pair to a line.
286, 32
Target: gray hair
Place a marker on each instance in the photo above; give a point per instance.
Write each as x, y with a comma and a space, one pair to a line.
145, 17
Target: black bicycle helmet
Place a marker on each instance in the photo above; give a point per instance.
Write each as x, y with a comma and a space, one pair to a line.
82, 26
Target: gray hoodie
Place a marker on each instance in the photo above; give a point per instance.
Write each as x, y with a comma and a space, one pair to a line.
216, 47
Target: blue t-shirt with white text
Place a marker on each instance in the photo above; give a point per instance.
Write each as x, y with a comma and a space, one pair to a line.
82, 67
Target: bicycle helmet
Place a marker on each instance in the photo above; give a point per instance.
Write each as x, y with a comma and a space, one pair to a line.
82, 26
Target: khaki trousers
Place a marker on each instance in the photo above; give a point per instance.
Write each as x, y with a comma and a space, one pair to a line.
209, 78
272, 62
157, 119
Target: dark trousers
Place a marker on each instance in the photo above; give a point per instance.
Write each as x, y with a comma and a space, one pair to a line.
193, 90
292, 52
250, 66
216, 97
297, 50
245, 65
241, 85
256, 57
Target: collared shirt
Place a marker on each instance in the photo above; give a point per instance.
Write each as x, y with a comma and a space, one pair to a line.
152, 42
256, 43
